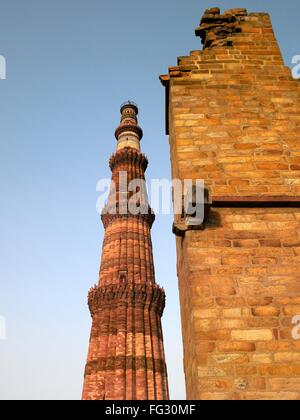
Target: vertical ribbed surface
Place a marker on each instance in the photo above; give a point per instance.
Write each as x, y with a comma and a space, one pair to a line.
126, 358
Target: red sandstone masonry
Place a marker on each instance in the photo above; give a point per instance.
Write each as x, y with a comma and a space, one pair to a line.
234, 120
126, 358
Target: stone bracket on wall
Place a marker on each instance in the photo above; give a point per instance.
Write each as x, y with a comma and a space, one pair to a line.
189, 219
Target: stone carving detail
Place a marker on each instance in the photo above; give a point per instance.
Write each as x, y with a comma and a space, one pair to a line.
145, 296
129, 156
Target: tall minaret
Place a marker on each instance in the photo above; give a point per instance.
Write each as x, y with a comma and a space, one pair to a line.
126, 359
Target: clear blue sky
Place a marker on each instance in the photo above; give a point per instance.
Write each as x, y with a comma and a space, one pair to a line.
70, 64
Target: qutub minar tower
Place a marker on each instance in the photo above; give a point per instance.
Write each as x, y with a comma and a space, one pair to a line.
126, 358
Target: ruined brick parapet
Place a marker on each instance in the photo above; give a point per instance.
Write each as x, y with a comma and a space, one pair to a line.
235, 38
216, 29
234, 103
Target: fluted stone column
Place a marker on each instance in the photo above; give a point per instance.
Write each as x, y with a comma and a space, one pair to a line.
126, 358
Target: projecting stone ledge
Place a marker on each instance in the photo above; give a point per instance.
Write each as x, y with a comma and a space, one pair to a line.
135, 295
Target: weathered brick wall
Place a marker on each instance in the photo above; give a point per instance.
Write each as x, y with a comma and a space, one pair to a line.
239, 283
235, 115
234, 120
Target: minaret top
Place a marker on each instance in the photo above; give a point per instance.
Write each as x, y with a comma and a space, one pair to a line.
129, 105
129, 133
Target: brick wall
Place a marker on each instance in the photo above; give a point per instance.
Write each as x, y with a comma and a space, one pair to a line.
239, 283
235, 115
234, 120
